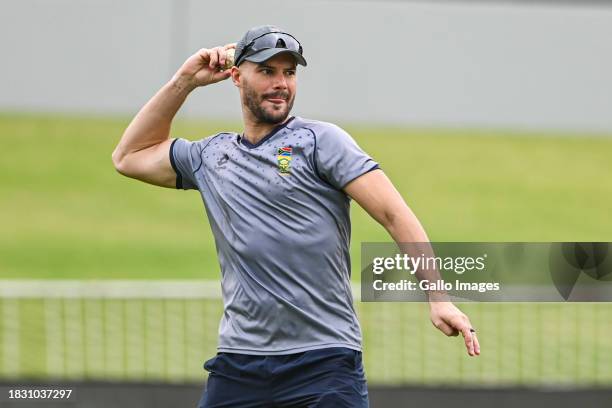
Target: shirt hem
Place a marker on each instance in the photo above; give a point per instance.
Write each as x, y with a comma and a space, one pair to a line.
376, 166
264, 352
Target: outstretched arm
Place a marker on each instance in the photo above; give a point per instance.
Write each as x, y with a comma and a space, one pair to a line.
377, 195
143, 151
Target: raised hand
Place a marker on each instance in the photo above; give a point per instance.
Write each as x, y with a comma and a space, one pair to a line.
205, 67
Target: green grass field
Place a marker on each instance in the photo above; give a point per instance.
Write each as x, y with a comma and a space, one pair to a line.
66, 213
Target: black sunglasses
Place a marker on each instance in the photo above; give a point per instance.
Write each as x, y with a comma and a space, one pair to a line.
266, 41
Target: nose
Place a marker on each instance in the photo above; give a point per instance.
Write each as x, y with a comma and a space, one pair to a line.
280, 82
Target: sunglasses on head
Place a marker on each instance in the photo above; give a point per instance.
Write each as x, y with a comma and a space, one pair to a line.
267, 41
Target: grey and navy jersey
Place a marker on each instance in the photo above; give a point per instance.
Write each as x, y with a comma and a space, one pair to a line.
281, 225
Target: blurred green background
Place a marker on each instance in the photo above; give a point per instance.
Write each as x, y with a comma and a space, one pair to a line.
66, 214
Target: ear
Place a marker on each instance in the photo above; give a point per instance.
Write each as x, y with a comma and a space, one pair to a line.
235, 73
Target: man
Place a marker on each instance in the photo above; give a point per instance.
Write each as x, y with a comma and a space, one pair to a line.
277, 198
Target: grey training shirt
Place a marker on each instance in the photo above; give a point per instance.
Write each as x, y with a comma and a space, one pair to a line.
281, 225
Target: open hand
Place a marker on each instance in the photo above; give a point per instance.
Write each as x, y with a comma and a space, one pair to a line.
451, 321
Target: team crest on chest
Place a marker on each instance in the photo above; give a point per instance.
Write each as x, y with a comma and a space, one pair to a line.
283, 158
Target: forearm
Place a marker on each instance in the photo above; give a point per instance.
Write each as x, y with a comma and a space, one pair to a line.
403, 225
151, 125
411, 238
377, 195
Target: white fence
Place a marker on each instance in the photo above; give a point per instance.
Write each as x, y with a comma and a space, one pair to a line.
165, 330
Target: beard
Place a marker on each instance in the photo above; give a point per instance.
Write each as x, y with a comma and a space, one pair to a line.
272, 115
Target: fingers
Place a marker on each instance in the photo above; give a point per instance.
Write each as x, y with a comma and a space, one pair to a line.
214, 58
203, 56
451, 321
476, 343
221, 75
462, 323
203, 67
469, 340
218, 57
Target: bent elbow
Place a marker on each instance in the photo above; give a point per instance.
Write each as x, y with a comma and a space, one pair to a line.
119, 162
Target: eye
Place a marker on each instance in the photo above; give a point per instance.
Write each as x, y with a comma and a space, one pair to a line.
290, 73
266, 71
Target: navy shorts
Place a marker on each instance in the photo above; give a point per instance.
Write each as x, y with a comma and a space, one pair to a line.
325, 378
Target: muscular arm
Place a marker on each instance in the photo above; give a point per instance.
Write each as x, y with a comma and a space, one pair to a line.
143, 151
377, 195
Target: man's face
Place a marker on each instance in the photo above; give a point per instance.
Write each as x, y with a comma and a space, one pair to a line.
268, 89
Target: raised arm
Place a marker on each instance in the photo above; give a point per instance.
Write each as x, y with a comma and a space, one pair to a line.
377, 195
143, 151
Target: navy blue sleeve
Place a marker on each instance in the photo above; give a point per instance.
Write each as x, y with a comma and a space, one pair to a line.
185, 159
